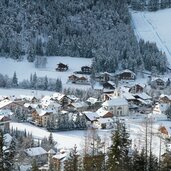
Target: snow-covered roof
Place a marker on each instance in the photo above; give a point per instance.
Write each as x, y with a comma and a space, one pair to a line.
50, 103
4, 103
58, 96
2, 116
128, 96
165, 79
34, 106
51, 151
101, 112
42, 112
91, 115
7, 139
72, 97
35, 151
123, 71
143, 96
6, 112
165, 95
104, 120
27, 97
111, 83
60, 156
115, 102
46, 98
79, 104
92, 100
98, 86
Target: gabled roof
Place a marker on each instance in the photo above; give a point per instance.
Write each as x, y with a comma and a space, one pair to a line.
3, 116
102, 112
27, 97
92, 100
105, 120
7, 139
43, 112
143, 96
92, 116
128, 96
115, 102
79, 104
123, 71
164, 79
72, 97
165, 95
4, 103
35, 151
58, 96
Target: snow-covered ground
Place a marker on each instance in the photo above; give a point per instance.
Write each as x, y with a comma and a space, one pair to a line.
17, 92
64, 139
68, 139
154, 27
24, 69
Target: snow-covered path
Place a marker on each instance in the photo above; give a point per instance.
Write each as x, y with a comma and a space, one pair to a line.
154, 27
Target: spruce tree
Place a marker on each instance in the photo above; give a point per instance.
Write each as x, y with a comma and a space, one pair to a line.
15, 80
34, 166
71, 164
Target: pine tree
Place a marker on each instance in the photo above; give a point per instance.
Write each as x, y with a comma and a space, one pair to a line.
114, 153
31, 54
34, 166
1, 150
34, 81
50, 139
118, 154
71, 164
45, 83
15, 80
139, 160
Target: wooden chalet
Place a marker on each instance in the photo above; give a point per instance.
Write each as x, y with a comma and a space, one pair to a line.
159, 83
86, 70
82, 80
125, 75
165, 98
73, 78
137, 88
104, 77
109, 85
61, 67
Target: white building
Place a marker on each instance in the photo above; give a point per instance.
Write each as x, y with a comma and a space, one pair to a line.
118, 106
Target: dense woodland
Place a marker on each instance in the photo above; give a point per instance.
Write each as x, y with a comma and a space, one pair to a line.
91, 28
150, 5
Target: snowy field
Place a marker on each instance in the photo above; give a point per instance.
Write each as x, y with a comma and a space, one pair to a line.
24, 68
64, 139
17, 92
154, 27
67, 139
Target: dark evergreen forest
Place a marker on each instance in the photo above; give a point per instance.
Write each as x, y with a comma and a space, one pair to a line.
96, 29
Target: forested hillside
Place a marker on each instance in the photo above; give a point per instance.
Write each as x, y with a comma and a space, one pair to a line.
151, 5
91, 28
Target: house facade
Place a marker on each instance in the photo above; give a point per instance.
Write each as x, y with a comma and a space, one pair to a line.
117, 106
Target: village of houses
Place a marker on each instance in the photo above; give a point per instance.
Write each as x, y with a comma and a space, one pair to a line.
122, 97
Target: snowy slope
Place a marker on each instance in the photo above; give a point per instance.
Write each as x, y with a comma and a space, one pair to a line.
65, 139
154, 27
24, 69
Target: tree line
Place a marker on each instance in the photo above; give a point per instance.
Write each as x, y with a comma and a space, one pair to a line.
150, 5
35, 82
